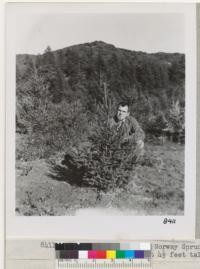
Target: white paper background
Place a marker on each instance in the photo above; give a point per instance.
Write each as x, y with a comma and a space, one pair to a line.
90, 227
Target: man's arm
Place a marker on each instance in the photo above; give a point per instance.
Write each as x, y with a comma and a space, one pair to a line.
137, 131
139, 137
136, 134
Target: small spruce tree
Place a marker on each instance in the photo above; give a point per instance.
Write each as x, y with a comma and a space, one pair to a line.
107, 164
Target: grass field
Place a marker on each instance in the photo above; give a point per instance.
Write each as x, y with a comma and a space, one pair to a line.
153, 189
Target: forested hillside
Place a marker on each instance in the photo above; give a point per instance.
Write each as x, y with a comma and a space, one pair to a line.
58, 92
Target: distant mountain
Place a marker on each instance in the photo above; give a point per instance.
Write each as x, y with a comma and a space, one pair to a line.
151, 82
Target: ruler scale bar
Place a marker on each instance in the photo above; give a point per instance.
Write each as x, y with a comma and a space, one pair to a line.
105, 265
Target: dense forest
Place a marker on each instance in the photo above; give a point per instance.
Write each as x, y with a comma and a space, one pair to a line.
59, 92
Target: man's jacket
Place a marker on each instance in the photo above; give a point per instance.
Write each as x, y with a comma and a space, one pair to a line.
129, 129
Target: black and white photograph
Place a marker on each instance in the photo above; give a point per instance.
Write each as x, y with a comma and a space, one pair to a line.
100, 114
100, 120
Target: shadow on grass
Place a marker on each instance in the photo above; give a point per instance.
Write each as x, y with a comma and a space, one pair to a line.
68, 171
75, 173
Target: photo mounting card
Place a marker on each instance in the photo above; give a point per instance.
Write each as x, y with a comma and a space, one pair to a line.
100, 121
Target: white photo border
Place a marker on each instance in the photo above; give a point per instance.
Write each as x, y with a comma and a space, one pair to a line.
100, 227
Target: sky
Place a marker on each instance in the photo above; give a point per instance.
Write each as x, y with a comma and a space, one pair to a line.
140, 32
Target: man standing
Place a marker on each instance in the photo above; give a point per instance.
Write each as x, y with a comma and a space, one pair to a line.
132, 135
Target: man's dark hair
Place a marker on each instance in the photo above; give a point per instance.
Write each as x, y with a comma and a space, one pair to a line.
123, 103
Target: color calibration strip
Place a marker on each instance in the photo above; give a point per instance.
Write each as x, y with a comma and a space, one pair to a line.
103, 254
103, 251
103, 246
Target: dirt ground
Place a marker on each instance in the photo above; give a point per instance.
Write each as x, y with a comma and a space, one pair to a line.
153, 189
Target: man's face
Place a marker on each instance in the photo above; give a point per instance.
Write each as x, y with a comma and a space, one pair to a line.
122, 112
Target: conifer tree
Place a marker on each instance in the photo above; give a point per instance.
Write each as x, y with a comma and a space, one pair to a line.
107, 165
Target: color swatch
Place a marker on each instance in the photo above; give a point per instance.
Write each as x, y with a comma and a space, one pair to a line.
102, 251
103, 246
